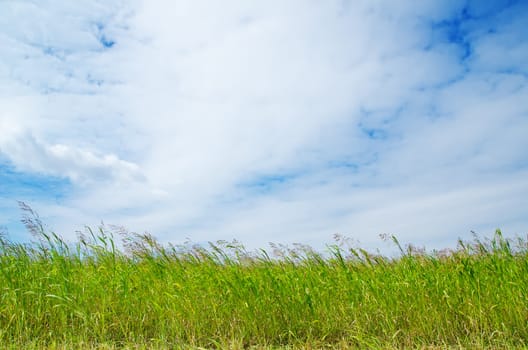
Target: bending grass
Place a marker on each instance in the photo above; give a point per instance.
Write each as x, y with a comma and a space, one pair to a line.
93, 295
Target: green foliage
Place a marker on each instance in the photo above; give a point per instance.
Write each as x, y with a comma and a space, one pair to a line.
92, 294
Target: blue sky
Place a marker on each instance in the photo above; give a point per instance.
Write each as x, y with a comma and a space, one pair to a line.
272, 121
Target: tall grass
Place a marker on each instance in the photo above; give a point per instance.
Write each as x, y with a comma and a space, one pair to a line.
91, 293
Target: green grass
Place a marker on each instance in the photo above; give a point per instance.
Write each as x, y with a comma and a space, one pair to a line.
91, 294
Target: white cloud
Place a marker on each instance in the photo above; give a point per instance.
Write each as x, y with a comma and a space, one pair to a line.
80, 166
167, 115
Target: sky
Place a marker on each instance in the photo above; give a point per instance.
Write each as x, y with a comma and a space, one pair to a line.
266, 121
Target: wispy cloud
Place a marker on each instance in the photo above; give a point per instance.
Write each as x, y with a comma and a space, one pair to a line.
283, 121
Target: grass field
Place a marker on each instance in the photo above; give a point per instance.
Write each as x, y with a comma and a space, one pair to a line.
90, 294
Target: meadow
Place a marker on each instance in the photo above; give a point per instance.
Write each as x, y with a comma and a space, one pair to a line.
114, 290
